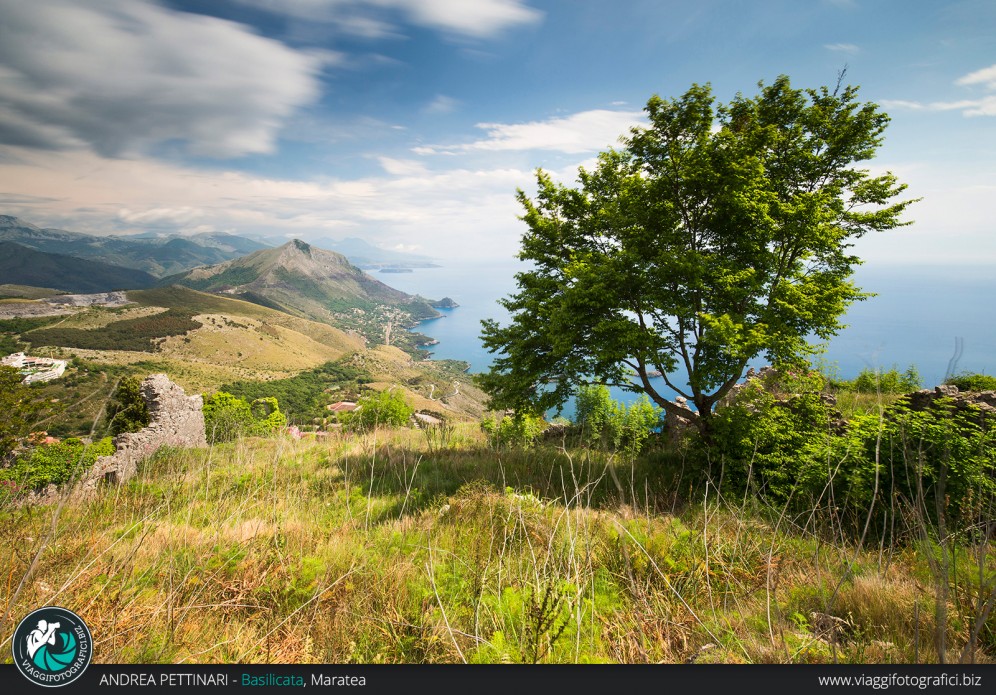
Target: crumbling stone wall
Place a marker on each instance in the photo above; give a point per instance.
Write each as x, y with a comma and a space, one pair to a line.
982, 401
175, 419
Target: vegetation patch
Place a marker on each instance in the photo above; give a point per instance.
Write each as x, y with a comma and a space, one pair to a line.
305, 395
54, 464
228, 417
973, 382
138, 334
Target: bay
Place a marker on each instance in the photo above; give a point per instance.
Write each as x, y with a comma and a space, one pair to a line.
915, 319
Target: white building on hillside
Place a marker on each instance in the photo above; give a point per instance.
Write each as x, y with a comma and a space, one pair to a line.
35, 369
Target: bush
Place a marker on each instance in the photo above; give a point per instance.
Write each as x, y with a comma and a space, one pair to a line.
386, 408
891, 382
897, 466
228, 417
774, 446
950, 452
603, 420
54, 464
267, 417
973, 382
128, 411
305, 395
519, 430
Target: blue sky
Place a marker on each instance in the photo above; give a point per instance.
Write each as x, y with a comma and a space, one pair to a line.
410, 123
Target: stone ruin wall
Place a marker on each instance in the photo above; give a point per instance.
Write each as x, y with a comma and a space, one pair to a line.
175, 419
982, 401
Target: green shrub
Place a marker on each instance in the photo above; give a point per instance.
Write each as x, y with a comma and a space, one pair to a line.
973, 382
228, 417
128, 411
305, 395
15, 408
267, 417
602, 420
519, 430
776, 446
902, 466
596, 415
53, 464
386, 408
948, 453
876, 381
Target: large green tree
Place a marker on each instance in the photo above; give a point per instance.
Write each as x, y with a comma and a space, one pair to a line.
718, 233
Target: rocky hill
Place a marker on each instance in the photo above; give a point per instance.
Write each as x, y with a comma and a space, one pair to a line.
310, 282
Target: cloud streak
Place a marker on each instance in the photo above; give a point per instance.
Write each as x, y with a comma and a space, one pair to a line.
123, 76
848, 48
983, 106
586, 131
407, 204
478, 19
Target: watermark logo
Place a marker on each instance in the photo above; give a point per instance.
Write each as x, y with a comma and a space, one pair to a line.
52, 646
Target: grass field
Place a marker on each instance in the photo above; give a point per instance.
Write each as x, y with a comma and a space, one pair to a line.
416, 547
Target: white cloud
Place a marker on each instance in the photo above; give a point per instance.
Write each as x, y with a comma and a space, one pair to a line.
983, 106
848, 48
374, 18
441, 104
985, 76
153, 217
459, 213
402, 167
951, 224
121, 76
481, 18
587, 131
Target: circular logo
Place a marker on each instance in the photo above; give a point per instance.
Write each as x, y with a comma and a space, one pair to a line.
52, 646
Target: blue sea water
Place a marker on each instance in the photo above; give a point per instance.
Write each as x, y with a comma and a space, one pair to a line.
916, 317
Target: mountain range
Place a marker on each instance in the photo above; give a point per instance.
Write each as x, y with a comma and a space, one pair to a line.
168, 254
297, 278
303, 280
155, 255
20, 265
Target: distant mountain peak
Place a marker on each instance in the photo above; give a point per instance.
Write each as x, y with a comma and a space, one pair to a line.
304, 280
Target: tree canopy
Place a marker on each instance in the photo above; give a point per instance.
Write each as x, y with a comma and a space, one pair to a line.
718, 233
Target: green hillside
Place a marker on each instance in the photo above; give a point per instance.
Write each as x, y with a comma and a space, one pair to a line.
20, 265
320, 285
205, 342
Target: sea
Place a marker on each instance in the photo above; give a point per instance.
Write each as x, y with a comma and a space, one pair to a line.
940, 319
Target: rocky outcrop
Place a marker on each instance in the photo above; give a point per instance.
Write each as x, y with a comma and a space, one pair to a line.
175, 419
983, 402
768, 379
766, 376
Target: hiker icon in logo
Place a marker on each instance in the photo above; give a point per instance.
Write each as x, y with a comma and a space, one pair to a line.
52, 646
